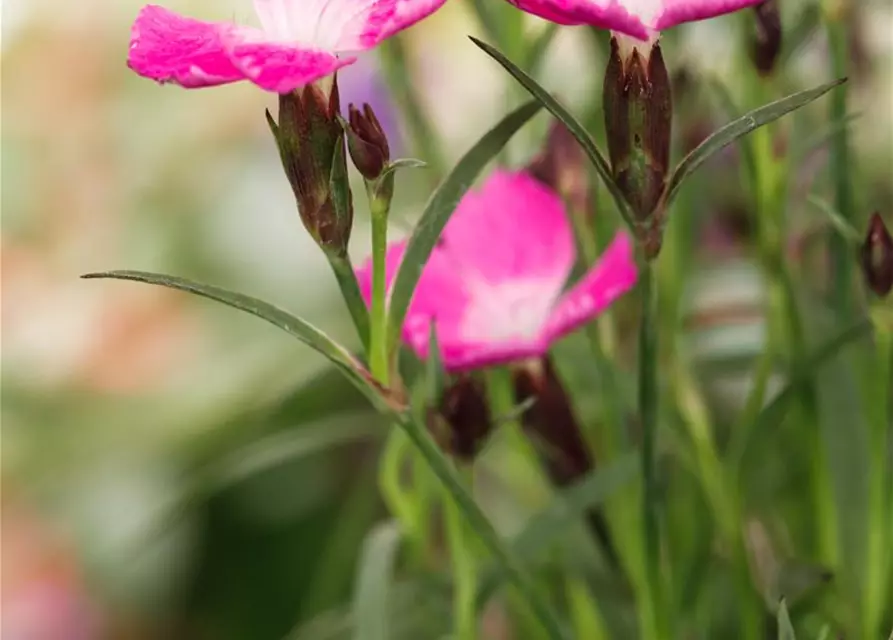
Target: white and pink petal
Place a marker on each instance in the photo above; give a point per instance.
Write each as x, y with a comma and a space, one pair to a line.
678, 11
168, 47
279, 68
613, 275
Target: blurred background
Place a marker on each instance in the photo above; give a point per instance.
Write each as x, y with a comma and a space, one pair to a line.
172, 469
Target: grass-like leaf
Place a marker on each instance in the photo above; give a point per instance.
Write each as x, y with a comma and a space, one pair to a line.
439, 209
298, 328
375, 575
785, 627
737, 128
567, 119
568, 508
772, 415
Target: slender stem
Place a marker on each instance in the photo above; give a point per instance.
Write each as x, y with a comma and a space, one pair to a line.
378, 347
841, 255
464, 568
877, 574
720, 489
478, 522
648, 408
350, 291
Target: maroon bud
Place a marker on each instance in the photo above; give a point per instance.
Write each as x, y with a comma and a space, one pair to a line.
562, 166
367, 142
638, 120
465, 414
311, 146
877, 257
767, 42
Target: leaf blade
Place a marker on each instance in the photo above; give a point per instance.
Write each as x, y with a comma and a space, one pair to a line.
438, 210
377, 560
734, 130
294, 326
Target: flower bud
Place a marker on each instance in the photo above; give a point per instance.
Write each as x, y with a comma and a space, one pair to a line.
877, 257
638, 115
465, 413
562, 166
367, 142
767, 43
311, 146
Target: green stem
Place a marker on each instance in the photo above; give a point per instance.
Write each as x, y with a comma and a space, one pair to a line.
877, 574
648, 408
720, 489
350, 291
378, 359
841, 254
478, 522
464, 569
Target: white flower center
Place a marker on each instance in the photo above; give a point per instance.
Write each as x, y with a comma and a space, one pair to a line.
508, 311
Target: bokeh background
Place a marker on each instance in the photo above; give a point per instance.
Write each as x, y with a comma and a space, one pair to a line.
171, 469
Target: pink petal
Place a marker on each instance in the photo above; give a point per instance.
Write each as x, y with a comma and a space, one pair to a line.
384, 18
613, 275
605, 14
167, 47
512, 228
279, 67
679, 11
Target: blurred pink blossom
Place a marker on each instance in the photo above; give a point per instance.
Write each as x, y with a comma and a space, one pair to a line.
493, 285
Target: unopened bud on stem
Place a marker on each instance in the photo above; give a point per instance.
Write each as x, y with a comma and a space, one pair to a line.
367, 142
638, 122
768, 39
877, 257
311, 146
463, 418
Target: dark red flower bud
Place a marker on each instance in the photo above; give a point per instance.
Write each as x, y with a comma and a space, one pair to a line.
768, 39
638, 121
367, 142
465, 416
311, 146
877, 257
562, 166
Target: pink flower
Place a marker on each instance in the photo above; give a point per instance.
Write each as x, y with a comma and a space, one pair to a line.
637, 18
493, 285
299, 42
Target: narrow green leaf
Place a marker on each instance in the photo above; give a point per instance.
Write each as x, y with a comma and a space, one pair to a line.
404, 163
774, 413
434, 371
785, 628
843, 227
298, 328
507, 561
439, 209
742, 126
374, 580
568, 508
565, 117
